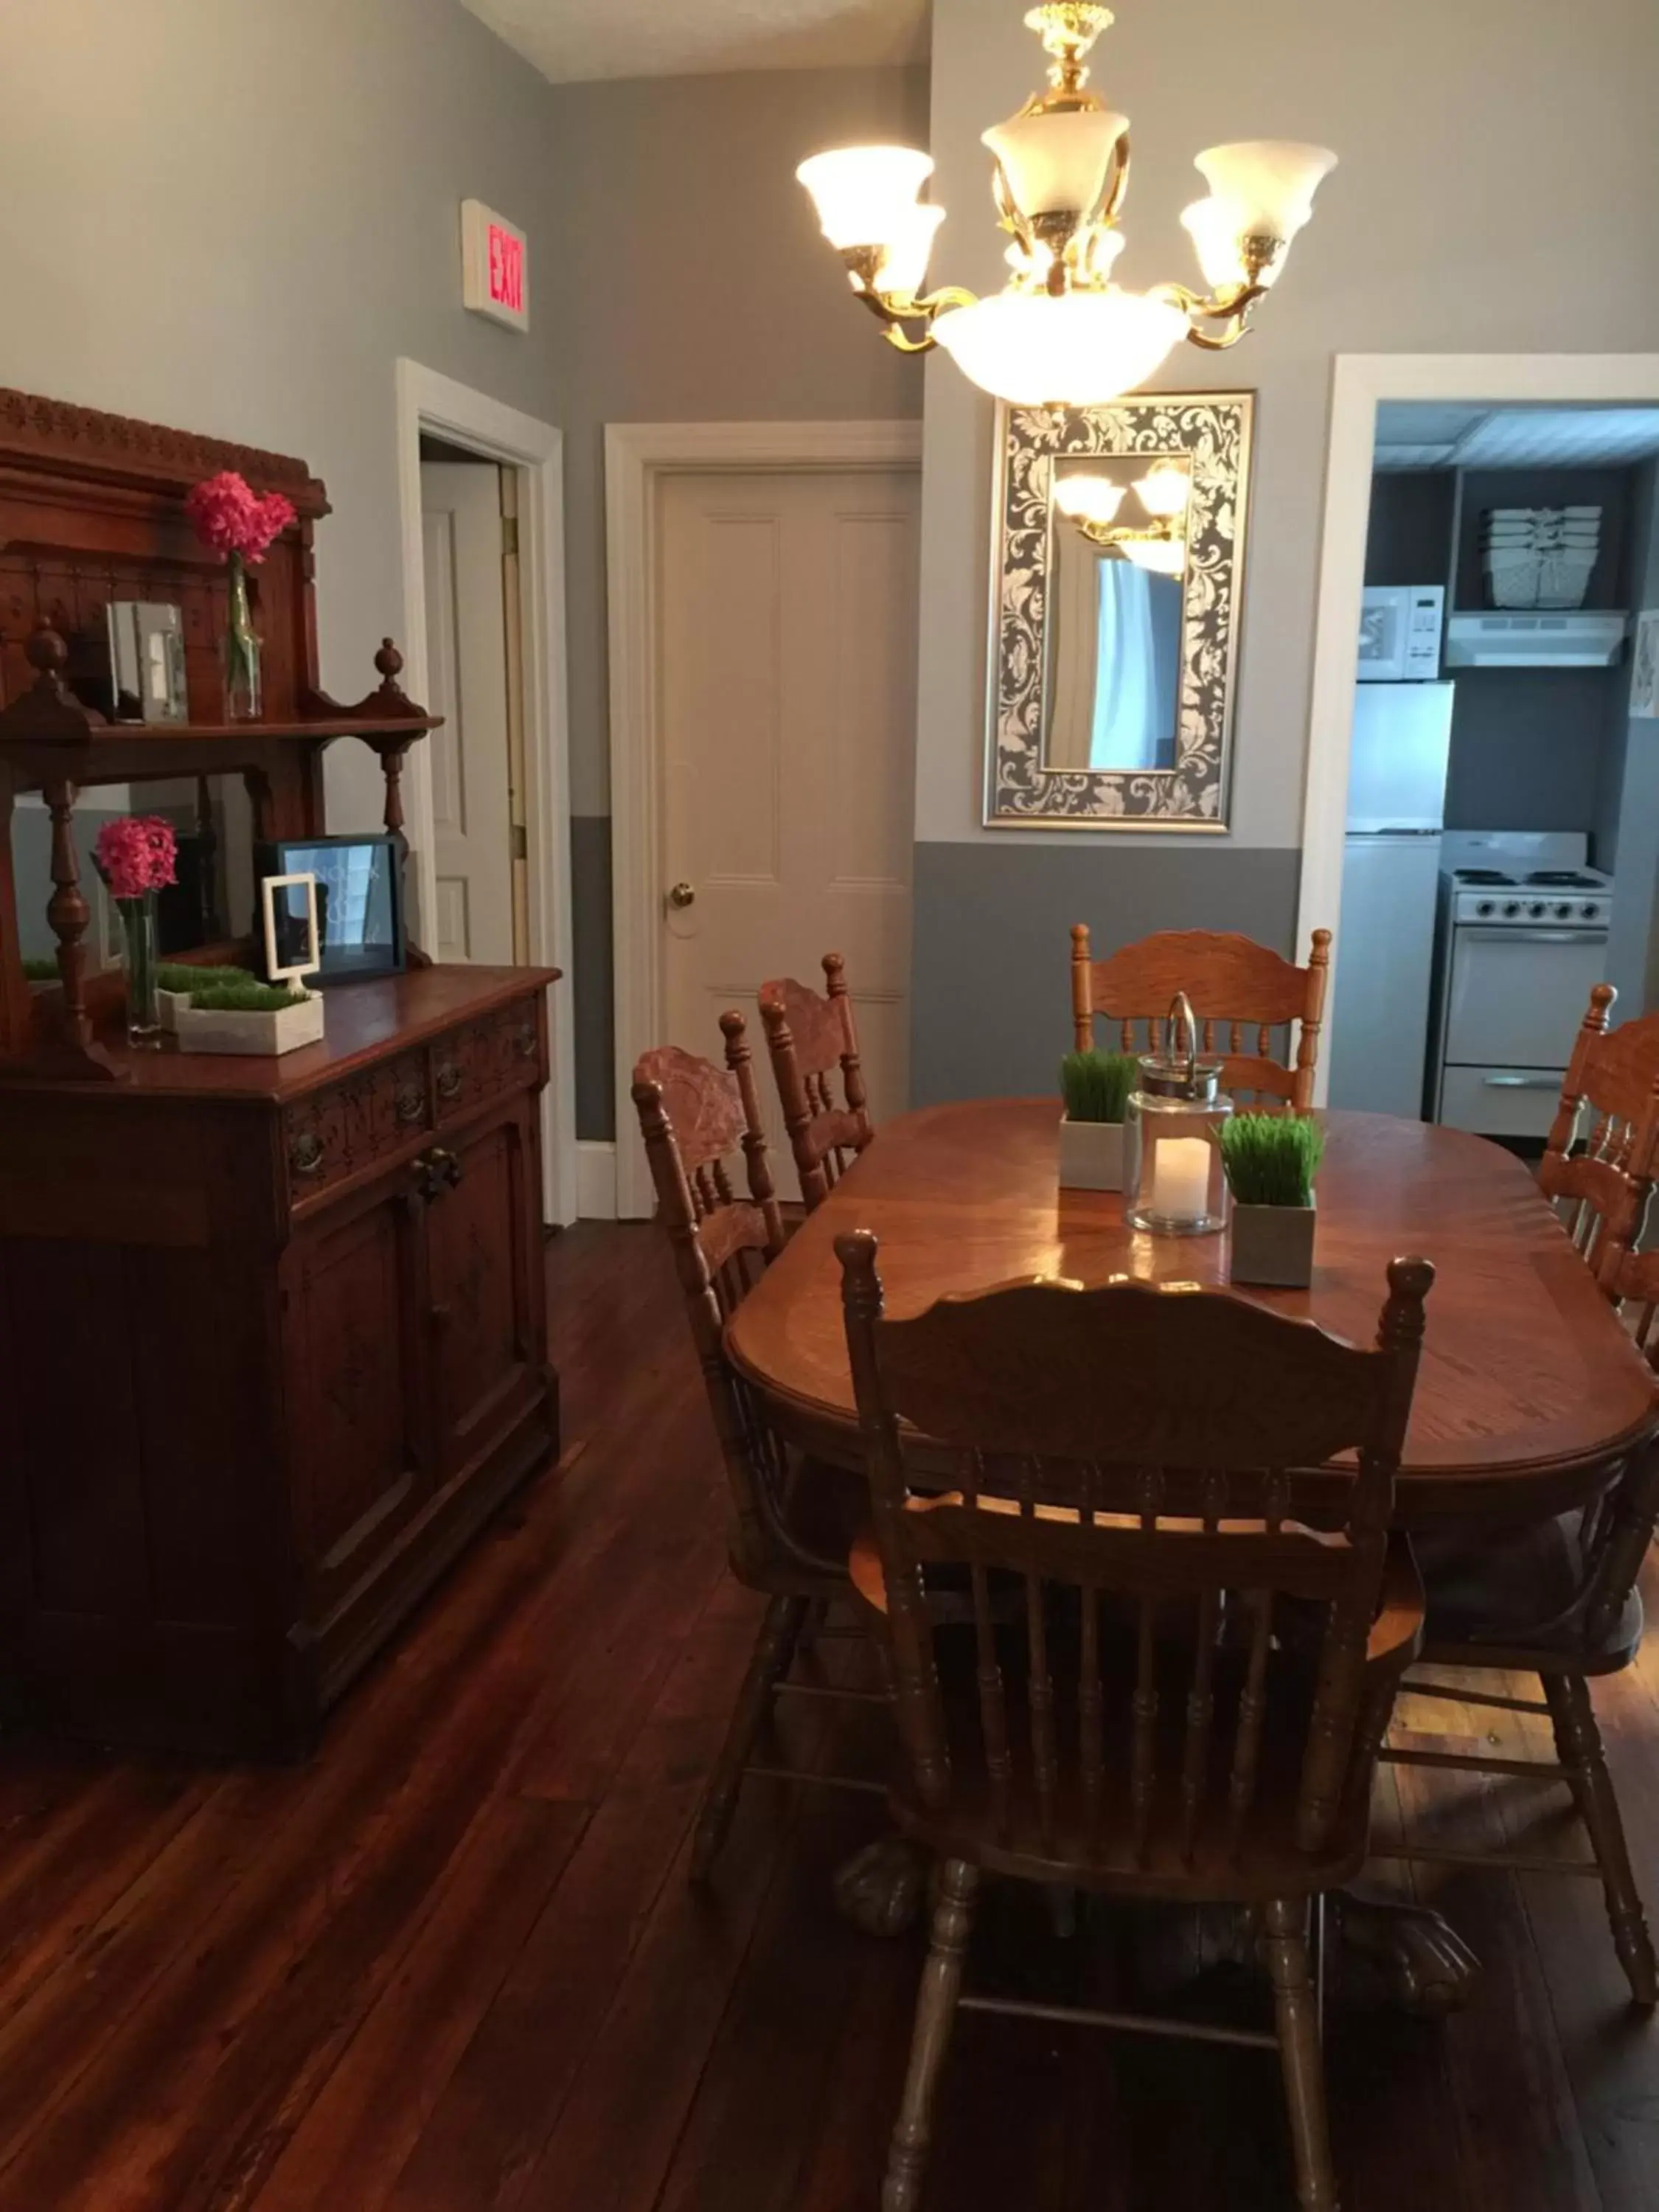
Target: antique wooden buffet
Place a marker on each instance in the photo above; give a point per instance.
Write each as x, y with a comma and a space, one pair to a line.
272, 1331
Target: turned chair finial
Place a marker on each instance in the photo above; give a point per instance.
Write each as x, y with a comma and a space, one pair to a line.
47, 654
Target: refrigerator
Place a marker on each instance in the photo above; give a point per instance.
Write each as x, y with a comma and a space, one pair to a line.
1379, 1022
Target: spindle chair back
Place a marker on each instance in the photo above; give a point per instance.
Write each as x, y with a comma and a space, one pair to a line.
1599, 1164
1240, 992
814, 1045
1135, 1444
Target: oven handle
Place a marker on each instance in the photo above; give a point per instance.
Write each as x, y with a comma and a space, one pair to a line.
1522, 1082
1588, 935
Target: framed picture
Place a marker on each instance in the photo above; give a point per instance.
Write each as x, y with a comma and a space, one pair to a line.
147, 662
293, 940
359, 901
1644, 667
1118, 552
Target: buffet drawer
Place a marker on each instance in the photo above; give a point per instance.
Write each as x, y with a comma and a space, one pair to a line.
368, 1119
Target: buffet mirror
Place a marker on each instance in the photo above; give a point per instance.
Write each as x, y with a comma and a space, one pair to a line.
1118, 555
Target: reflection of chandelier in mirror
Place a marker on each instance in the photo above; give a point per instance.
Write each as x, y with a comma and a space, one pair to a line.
1061, 334
1092, 501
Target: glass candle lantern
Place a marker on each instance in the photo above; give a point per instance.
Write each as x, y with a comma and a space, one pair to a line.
1172, 1177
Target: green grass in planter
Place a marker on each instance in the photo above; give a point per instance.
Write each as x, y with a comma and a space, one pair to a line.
179, 975
1096, 1086
246, 998
40, 971
1271, 1159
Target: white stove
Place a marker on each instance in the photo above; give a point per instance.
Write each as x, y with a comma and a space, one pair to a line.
1522, 937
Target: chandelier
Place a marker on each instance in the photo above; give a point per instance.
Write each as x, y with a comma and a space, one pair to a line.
1091, 502
1060, 332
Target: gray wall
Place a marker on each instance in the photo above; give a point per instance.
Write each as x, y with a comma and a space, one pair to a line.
696, 288
1438, 113
234, 218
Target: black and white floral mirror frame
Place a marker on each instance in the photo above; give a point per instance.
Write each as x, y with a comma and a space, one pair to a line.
1214, 429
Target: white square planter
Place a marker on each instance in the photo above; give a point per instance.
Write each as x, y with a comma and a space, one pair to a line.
200, 1029
1091, 1155
1272, 1245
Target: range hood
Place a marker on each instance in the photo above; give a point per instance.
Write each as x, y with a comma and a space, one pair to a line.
1571, 639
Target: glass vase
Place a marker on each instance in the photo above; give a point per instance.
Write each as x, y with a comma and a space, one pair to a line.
140, 961
242, 692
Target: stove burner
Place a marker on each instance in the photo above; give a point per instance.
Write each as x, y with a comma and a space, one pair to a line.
1566, 879
1483, 876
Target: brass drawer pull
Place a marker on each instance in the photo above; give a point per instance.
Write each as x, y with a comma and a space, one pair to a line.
304, 1153
445, 1167
449, 1079
524, 1040
410, 1105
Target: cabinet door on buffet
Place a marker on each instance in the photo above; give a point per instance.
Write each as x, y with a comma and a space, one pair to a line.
362, 1455
486, 1310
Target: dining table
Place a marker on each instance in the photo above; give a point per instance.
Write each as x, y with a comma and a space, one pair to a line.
1531, 1395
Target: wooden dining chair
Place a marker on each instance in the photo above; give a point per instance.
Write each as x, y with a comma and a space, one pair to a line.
813, 1044
793, 1519
1234, 986
1557, 1599
1188, 1703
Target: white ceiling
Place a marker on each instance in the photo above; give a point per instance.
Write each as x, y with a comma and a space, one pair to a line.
570, 41
1421, 433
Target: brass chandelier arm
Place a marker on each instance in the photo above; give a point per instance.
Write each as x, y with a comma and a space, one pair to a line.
1228, 308
893, 310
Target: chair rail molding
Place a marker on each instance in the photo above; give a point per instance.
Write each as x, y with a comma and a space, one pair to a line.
635, 455
426, 400
1358, 382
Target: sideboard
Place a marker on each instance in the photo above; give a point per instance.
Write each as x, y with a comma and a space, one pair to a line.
272, 1330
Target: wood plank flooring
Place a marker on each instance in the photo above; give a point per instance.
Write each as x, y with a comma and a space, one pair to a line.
452, 1965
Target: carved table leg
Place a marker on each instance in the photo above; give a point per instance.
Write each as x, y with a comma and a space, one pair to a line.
1429, 1968
881, 1889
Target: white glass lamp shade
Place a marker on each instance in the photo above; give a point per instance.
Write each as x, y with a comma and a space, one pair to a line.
1078, 351
1267, 183
1056, 164
864, 194
1087, 498
1164, 489
903, 270
1216, 235
1165, 556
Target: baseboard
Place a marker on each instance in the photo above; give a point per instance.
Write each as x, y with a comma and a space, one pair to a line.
596, 1182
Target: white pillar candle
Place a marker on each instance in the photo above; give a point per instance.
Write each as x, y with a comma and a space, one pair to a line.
1181, 1178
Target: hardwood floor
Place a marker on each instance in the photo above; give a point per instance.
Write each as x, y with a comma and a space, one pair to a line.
453, 1963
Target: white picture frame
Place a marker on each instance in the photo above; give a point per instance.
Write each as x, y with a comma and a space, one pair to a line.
268, 887
1644, 668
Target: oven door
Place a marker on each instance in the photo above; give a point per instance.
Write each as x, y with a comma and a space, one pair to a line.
1518, 995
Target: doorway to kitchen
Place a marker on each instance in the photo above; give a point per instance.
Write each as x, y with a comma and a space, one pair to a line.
481, 495
1490, 543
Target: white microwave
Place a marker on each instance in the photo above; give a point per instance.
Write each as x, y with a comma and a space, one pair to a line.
1400, 627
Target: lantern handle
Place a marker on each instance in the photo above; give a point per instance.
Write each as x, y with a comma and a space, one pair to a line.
1181, 1010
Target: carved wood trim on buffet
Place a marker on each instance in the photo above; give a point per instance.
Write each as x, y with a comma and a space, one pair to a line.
117, 447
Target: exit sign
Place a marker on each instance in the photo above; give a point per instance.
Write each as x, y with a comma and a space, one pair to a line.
494, 265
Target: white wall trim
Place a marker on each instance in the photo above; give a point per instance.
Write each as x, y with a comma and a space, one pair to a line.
427, 400
596, 1180
635, 454
1358, 382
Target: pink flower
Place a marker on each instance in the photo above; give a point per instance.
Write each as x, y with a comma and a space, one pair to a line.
231, 518
135, 854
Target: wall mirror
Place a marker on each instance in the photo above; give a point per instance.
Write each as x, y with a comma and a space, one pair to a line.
1119, 551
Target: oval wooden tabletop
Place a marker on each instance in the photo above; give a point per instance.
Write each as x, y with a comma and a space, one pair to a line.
1528, 1386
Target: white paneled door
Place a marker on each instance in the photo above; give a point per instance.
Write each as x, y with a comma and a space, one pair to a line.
467, 675
786, 656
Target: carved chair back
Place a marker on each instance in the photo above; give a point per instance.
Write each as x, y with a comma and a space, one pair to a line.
814, 1048
1599, 1164
695, 1118
1241, 993
1122, 1460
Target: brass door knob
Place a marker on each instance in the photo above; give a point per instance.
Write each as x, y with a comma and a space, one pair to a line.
682, 894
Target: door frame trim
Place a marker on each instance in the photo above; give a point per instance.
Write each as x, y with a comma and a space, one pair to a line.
1359, 381
427, 400
635, 455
